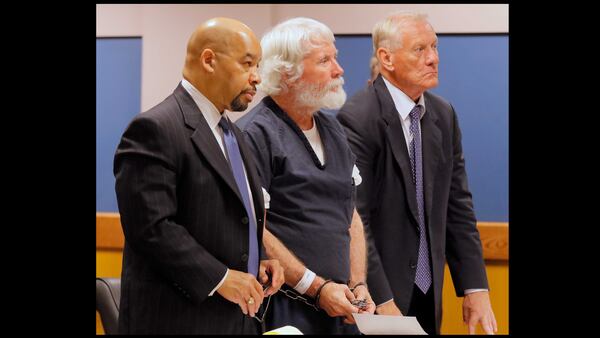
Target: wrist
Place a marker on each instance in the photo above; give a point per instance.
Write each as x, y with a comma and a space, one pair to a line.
314, 286
319, 290
353, 286
305, 282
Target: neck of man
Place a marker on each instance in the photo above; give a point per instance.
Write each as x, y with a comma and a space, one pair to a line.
210, 92
413, 93
302, 116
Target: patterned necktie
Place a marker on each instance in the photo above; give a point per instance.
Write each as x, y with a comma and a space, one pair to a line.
423, 275
237, 166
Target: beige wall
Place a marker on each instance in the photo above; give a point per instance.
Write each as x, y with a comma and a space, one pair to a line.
360, 18
165, 29
119, 20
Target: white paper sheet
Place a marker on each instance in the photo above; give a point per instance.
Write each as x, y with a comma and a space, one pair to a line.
284, 330
383, 324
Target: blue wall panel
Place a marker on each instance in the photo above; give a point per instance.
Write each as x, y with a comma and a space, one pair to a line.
474, 78
118, 95
354, 54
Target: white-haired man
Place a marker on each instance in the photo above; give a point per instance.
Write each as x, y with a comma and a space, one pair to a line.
307, 167
415, 199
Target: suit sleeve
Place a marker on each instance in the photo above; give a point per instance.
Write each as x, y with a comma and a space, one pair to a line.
146, 181
463, 245
366, 151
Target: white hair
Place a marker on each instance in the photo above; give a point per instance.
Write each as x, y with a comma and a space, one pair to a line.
283, 49
387, 33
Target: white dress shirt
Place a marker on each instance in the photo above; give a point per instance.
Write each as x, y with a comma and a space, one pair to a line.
212, 117
404, 105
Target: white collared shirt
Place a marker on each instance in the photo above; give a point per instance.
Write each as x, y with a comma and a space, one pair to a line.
212, 117
404, 105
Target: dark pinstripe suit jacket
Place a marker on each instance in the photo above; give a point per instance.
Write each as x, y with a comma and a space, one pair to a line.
184, 222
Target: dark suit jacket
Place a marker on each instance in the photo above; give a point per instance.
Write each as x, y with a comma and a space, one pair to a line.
184, 222
387, 203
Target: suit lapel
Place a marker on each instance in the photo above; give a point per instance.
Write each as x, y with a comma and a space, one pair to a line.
395, 136
204, 139
431, 137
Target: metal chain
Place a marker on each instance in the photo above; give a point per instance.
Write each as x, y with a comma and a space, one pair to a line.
293, 295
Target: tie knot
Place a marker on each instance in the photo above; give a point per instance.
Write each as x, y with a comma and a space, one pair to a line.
223, 123
415, 113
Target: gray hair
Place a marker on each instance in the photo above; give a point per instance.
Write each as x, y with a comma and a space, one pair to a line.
284, 47
387, 32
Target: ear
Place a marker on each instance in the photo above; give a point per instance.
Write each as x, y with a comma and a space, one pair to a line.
285, 80
284, 77
385, 58
207, 60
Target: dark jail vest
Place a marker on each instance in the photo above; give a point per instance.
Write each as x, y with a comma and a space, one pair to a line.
311, 204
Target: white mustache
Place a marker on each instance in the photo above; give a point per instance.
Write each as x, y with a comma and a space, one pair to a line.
339, 82
324, 96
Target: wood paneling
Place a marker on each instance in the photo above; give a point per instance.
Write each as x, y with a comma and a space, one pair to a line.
452, 320
494, 240
109, 234
494, 236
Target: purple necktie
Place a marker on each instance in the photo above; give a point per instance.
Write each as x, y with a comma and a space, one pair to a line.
423, 275
237, 166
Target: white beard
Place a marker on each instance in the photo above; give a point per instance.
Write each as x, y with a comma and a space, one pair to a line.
309, 95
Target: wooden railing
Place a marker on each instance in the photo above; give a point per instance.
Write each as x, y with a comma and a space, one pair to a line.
109, 234
494, 236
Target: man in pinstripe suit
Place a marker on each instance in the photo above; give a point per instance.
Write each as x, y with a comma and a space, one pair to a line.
187, 262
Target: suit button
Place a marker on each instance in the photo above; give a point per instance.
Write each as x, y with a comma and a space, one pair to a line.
244, 220
259, 220
412, 264
244, 258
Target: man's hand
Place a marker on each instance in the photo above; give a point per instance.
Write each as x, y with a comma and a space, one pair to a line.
240, 287
478, 309
336, 300
361, 292
271, 267
388, 308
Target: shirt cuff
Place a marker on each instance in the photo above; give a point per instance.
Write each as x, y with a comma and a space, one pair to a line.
220, 283
467, 291
387, 301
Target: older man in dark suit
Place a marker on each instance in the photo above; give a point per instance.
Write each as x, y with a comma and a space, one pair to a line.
190, 199
414, 199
